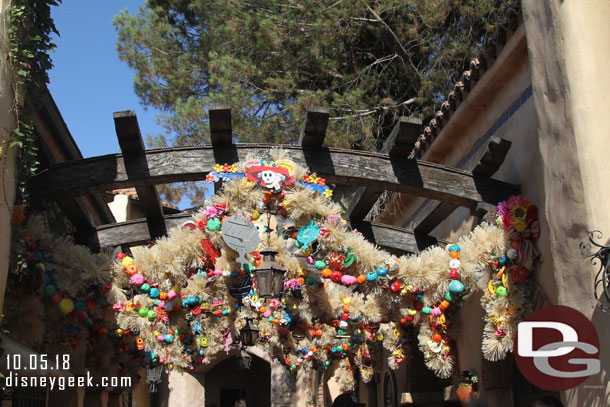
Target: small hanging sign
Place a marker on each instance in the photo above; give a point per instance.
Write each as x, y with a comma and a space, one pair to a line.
240, 235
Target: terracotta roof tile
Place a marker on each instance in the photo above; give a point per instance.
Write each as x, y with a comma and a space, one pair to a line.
493, 46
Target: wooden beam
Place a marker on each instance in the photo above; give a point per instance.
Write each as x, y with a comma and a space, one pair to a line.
399, 143
363, 200
485, 162
358, 168
314, 127
403, 137
134, 157
221, 129
136, 232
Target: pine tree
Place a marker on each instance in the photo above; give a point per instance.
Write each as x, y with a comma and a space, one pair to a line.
368, 61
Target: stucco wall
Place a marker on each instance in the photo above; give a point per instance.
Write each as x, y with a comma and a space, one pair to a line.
569, 73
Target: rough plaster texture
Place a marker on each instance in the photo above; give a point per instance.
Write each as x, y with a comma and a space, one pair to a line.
570, 83
8, 159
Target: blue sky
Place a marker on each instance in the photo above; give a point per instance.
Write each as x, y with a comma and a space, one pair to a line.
88, 81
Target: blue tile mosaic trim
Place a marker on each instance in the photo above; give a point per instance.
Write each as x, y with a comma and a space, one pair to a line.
514, 108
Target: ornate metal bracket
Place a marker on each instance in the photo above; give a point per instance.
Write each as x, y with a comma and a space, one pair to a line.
603, 275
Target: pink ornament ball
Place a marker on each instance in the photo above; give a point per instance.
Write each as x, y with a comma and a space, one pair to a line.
137, 279
161, 304
161, 338
218, 272
309, 259
56, 297
267, 314
436, 311
348, 280
171, 295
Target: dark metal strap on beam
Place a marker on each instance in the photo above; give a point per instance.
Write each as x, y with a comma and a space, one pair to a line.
314, 127
484, 162
134, 156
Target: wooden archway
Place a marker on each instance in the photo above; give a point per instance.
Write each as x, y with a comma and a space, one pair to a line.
370, 172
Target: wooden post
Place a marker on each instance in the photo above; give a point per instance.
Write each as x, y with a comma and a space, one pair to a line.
314, 127
399, 144
134, 157
485, 163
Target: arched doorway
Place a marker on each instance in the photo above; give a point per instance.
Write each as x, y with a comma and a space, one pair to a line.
225, 383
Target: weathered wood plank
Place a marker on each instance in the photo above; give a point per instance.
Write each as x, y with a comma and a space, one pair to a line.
363, 200
403, 137
484, 163
399, 143
221, 128
132, 146
314, 127
136, 232
338, 166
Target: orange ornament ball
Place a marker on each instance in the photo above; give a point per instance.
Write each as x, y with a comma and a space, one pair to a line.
327, 272
437, 337
132, 269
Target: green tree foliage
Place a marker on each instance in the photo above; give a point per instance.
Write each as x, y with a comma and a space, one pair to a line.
368, 61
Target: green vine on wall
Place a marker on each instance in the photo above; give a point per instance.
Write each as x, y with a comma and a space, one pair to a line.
29, 41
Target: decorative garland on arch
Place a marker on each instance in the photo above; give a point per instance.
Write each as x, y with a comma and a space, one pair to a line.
182, 301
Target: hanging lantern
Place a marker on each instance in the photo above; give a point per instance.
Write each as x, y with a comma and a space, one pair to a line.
249, 333
244, 360
269, 276
153, 376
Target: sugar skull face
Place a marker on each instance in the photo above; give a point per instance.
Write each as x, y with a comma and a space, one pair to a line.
271, 179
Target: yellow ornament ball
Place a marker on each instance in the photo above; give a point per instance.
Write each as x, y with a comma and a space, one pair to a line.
66, 305
127, 261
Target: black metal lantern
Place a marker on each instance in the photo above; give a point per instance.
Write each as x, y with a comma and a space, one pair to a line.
269, 276
249, 333
244, 360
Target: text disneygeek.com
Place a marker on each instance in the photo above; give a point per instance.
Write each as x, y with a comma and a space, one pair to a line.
21, 373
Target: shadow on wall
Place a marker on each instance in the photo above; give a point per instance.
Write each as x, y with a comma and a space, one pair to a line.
225, 384
595, 391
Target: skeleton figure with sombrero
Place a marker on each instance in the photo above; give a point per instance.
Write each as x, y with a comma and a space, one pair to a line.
272, 176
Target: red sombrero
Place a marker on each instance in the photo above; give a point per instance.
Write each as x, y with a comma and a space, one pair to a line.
252, 173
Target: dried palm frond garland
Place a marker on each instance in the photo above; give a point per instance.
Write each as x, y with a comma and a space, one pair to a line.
183, 300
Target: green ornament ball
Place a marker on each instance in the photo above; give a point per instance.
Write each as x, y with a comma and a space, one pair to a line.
319, 264
213, 224
143, 312
449, 296
145, 288
151, 315
501, 291
49, 290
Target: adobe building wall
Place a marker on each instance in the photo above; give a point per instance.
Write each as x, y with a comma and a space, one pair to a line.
559, 157
568, 47
8, 156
